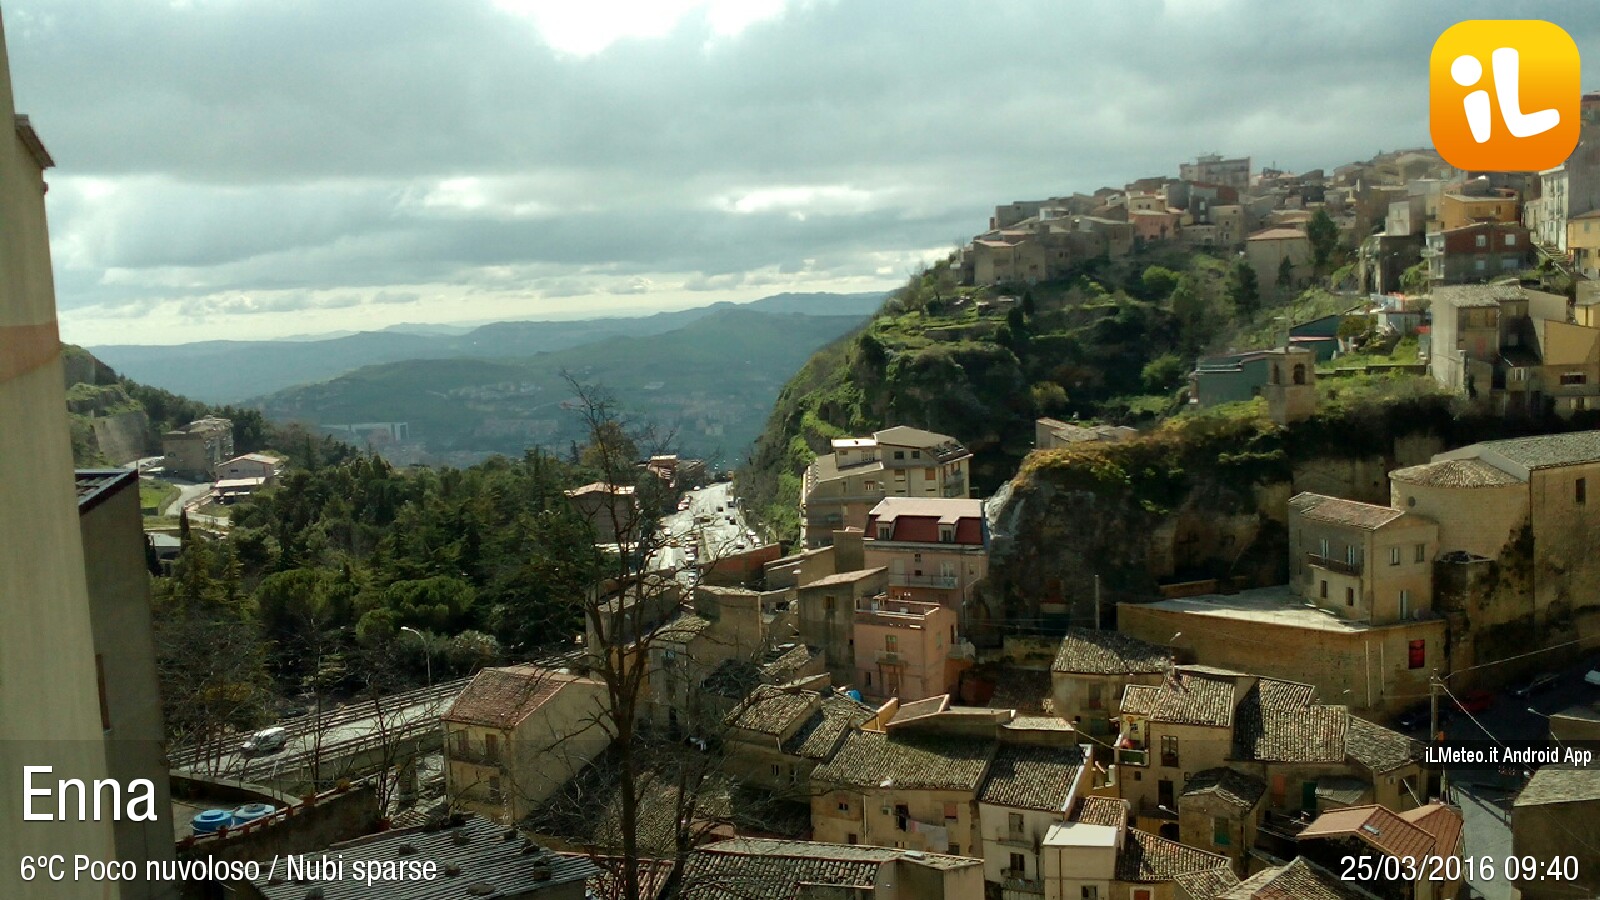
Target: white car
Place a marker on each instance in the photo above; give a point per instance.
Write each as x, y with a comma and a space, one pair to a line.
1593, 677
267, 740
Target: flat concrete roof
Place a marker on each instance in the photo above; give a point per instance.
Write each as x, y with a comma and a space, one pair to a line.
1275, 605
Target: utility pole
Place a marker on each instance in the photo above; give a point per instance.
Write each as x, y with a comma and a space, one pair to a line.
1097, 603
1435, 733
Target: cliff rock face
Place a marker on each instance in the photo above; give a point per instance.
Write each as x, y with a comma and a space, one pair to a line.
1195, 507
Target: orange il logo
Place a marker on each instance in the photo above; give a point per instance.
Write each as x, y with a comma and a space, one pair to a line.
1503, 95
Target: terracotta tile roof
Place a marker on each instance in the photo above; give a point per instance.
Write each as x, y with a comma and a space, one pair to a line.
1338, 511
1209, 884
1464, 296
1549, 450
871, 759
1025, 690
763, 869
1298, 880
1442, 821
1029, 776
771, 710
502, 697
1374, 825
1378, 748
1560, 784
821, 735
683, 629
1237, 788
1313, 733
1146, 857
1454, 473
1277, 234
1189, 699
1089, 652
1343, 791
1112, 811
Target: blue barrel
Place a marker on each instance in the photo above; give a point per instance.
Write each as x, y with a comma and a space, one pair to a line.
853, 694
208, 821
250, 812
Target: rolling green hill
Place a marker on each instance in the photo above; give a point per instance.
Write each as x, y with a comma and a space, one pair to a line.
230, 371
710, 384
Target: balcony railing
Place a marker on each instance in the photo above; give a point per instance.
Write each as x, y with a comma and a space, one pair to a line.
1014, 881
1343, 567
1133, 757
889, 658
933, 581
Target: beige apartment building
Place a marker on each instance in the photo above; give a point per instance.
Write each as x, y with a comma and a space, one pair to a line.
1273, 730
1267, 249
1362, 562
49, 699
196, 449
112, 526
1091, 669
841, 487
517, 734
903, 648
936, 550
1511, 349
826, 614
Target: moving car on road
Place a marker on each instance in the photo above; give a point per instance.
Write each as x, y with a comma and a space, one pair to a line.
1542, 681
267, 740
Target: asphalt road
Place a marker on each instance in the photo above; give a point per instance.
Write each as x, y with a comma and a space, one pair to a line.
1485, 800
702, 532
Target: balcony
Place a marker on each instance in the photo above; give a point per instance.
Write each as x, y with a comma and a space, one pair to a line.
1133, 757
889, 658
1015, 881
946, 582
1340, 566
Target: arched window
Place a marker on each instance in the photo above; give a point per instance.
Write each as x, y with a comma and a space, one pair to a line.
1299, 373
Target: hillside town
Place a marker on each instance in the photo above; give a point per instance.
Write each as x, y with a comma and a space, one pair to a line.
860, 709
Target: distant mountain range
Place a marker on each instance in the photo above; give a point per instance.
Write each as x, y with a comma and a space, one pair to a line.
232, 371
710, 383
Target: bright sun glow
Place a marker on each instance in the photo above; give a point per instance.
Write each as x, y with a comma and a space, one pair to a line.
584, 29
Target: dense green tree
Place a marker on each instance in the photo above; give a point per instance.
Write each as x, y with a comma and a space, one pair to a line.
1158, 283
1162, 373
1323, 233
1244, 289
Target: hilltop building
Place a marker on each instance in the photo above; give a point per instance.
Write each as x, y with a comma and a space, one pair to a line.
841, 488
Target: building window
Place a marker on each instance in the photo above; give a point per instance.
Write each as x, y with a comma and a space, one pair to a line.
1480, 265
777, 771
494, 789
1482, 240
885, 532
868, 678
491, 748
1349, 596
1350, 554
1394, 556
1019, 866
1219, 831
1580, 491
1324, 590
1169, 750
954, 849
461, 743
1322, 548
916, 454
851, 839
1573, 378
1422, 553
1511, 240
1405, 604
951, 811
1418, 654
899, 454
947, 534
1089, 892
930, 474
828, 603
1014, 823
902, 817
844, 805
1096, 696
891, 642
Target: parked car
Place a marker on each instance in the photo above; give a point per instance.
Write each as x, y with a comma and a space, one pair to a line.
1416, 716
267, 740
1593, 677
1540, 682
1475, 701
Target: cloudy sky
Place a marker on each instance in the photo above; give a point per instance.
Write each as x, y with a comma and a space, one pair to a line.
261, 168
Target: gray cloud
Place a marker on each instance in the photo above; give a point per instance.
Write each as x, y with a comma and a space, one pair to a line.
212, 149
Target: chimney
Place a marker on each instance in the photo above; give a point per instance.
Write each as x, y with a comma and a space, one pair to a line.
849, 553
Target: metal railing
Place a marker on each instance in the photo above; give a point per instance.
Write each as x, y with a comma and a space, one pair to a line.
1343, 567
934, 581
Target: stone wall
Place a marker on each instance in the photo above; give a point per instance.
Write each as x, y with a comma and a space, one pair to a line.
122, 437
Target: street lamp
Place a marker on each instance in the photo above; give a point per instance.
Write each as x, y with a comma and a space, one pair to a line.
427, 654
